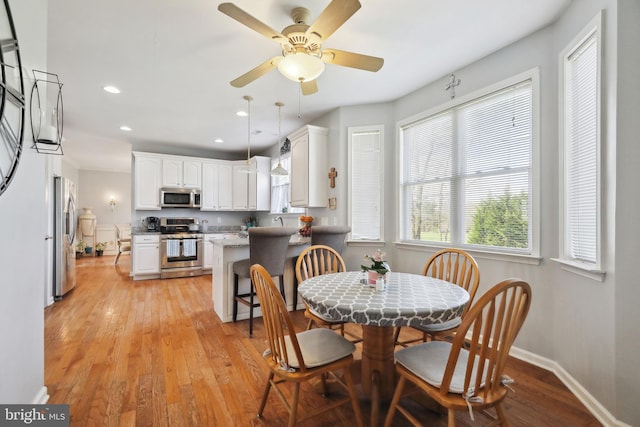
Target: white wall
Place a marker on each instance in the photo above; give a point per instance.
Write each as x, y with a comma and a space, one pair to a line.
95, 189
627, 292
23, 226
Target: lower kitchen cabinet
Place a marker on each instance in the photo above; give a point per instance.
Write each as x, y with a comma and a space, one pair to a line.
145, 255
207, 261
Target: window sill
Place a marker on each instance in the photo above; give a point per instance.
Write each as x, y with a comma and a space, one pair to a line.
581, 269
478, 254
365, 242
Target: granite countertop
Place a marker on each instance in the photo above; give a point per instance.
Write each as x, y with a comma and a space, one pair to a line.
136, 231
295, 240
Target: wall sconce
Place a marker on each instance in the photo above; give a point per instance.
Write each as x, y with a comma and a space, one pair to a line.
46, 120
112, 203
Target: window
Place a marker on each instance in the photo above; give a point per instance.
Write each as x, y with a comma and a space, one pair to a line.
467, 172
580, 121
280, 193
365, 182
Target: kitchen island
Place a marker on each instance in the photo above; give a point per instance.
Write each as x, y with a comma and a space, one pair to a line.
228, 251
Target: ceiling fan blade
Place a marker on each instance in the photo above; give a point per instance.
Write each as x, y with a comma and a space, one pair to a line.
259, 71
332, 17
353, 60
244, 18
309, 88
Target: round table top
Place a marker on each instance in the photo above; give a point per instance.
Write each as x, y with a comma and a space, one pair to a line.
408, 299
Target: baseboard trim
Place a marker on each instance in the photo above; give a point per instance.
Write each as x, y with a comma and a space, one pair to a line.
42, 396
587, 399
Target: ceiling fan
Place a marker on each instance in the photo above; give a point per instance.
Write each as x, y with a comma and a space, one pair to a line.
302, 58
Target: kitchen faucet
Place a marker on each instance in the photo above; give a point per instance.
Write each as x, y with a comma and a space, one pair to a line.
279, 218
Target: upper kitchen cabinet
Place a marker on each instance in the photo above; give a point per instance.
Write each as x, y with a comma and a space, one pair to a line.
252, 191
147, 181
216, 186
181, 172
309, 167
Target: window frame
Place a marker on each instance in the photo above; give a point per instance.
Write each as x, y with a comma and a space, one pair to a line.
350, 158
531, 256
594, 270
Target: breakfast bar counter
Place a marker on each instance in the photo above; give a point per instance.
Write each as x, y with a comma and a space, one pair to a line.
228, 251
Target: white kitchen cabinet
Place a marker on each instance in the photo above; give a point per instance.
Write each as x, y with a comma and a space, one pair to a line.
309, 167
240, 186
252, 191
216, 186
207, 261
145, 254
260, 185
147, 181
180, 172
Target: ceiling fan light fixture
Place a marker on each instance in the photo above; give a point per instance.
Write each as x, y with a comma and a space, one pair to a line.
301, 67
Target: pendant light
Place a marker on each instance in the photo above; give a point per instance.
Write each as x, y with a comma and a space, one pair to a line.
248, 167
279, 170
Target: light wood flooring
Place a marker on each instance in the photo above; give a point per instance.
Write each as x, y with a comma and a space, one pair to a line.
154, 353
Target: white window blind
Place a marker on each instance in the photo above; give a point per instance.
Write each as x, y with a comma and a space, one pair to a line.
365, 182
467, 173
280, 191
581, 147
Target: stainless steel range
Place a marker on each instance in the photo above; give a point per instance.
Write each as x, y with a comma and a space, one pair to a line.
181, 247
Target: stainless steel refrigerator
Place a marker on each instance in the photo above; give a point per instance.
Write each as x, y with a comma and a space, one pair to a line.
64, 262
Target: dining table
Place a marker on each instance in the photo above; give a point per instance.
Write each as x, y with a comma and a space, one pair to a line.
406, 300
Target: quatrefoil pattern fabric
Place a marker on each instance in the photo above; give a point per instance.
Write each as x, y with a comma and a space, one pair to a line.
408, 299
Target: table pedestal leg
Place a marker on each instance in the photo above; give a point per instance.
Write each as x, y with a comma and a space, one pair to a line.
378, 373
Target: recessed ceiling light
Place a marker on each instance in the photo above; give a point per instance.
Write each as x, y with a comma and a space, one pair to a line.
242, 113
111, 89
125, 128
218, 140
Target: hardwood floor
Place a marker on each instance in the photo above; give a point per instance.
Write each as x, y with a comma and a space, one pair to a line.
153, 353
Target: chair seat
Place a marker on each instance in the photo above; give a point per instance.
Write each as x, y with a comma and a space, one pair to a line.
439, 327
319, 347
429, 361
241, 268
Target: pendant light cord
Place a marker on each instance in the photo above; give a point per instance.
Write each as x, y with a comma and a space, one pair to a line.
249, 99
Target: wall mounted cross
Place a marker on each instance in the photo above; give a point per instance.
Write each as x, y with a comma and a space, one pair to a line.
451, 86
332, 177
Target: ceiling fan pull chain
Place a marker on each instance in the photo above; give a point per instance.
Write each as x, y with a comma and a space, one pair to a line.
299, 101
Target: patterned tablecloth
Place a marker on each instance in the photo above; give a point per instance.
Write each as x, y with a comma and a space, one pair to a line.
408, 299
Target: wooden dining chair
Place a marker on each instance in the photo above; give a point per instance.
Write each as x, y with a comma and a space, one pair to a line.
267, 247
328, 235
297, 357
467, 375
314, 261
454, 266
123, 241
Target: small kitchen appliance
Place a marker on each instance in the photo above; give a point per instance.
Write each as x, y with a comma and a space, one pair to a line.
179, 197
152, 223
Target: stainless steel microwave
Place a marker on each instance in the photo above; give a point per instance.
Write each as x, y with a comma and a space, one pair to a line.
179, 197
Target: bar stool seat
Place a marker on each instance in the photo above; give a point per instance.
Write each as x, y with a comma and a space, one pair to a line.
267, 247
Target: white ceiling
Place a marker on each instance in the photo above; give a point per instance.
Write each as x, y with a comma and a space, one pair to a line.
173, 60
